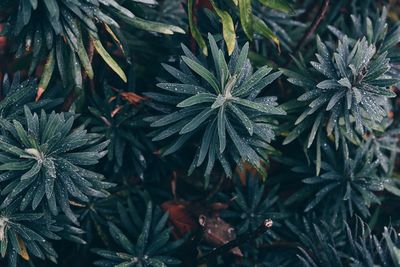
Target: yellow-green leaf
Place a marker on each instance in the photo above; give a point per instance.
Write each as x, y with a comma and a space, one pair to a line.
195, 31
114, 36
261, 28
108, 59
84, 58
228, 28
281, 5
246, 17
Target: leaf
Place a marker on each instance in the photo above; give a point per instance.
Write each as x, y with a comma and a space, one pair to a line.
182, 88
108, 59
194, 30
180, 218
120, 238
243, 118
196, 121
281, 5
197, 99
261, 28
228, 28
246, 17
84, 58
203, 72
52, 7
23, 252
221, 129
46, 75
259, 106
153, 26
144, 236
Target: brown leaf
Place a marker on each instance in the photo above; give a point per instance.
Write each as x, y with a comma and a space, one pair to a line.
217, 232
179, 217
132, 97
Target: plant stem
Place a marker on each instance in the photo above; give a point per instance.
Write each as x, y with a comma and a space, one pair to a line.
312, 29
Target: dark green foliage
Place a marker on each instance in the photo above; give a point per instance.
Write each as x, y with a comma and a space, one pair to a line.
26, 233
366, 249
350, 81
250, 207
43, 162
272, 141
346, 184
17, 94
59, 30
222, 110
117, 118
152, 243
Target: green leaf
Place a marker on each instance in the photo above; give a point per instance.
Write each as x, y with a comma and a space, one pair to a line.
108, 59
120, 238
205, 142
281, 5
144, 236
243, 118
261, 28
46, 75
221, 129
84, 58
197, 99
194, 30
203, 72
52, 7
246, 17
153, 26
197, 121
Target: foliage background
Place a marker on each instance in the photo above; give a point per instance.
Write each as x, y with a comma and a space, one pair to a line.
149, 133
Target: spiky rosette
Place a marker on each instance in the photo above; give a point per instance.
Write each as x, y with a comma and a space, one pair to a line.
41, 163
141, 247
347, 182
218, 107
24, 235
346, 91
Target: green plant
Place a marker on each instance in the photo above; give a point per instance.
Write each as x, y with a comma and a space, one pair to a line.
346, 184
117, 118
152, 246
41, 163
212, 106
346, 94
60, 30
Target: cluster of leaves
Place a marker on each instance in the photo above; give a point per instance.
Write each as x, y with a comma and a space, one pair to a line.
60, 30
223, 108
116, 116
245, 12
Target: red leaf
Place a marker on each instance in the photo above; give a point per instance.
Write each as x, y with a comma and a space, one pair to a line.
179, 217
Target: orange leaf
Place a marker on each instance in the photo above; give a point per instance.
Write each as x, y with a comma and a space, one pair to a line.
23, 251
132, 97
179, 217
115, 111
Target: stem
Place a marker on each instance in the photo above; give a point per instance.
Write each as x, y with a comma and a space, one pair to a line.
312, 29
236, 242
